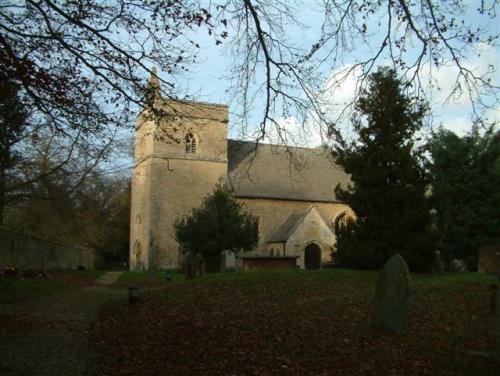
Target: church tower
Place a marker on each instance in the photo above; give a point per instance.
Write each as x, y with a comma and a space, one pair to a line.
180, 153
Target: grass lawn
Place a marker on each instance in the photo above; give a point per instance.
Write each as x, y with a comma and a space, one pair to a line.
297, 323
13, 290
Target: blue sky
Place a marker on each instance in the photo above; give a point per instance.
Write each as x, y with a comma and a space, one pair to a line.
208, 81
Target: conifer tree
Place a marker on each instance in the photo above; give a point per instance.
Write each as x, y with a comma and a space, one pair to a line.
388, 190
465, 173
219, 224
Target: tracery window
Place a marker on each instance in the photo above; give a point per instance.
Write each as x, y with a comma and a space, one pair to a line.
340, 221
191, 145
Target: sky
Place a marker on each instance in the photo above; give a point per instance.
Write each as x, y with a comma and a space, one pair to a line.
208, 78
207, 81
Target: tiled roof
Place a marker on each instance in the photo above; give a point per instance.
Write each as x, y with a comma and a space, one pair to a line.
287, 228
293, 173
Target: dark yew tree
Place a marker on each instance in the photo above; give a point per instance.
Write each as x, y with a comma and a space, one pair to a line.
389, 184
218, 225
465, 177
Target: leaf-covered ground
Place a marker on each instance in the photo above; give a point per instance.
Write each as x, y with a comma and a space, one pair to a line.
145, 280
297, 323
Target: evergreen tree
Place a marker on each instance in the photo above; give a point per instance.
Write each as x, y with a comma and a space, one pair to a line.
465, 175
388, 193
218, 225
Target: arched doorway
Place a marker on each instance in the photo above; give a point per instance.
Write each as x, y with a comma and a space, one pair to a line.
312, 256
137, 254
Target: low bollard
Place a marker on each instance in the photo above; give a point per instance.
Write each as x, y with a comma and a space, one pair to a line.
493, 298
133, 295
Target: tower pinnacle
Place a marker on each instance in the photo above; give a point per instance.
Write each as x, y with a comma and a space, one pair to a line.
153, 86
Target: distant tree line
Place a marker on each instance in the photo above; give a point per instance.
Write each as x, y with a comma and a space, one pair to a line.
95, 213
53, 185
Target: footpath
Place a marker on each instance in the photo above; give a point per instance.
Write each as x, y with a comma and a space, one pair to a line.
50, 336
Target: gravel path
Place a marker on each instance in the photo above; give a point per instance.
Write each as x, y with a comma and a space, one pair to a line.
50, 336
107, 279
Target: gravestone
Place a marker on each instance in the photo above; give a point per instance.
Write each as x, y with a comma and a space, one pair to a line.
392, 297
439, 264
458, 265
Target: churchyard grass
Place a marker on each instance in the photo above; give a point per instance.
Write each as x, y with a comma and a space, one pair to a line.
293, 322
13, 290
451, 280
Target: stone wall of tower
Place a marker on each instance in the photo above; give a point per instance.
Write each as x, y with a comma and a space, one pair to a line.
167, 181
140, 196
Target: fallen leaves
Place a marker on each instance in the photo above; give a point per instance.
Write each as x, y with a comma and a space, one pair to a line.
296, 324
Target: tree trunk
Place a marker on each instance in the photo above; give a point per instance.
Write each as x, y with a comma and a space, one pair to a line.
497, 310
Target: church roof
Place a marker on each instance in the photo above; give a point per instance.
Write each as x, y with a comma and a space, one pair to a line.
279, 172
287, 228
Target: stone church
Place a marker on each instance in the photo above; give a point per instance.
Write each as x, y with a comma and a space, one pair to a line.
178, 162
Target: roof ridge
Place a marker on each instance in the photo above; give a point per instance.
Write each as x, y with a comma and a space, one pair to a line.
279, 145
194, 102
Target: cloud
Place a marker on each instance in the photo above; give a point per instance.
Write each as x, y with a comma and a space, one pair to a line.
339, 91
289, 131
454, 112
459, 125
445, 79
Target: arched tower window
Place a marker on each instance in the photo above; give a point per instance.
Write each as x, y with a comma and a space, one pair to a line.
191, 145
